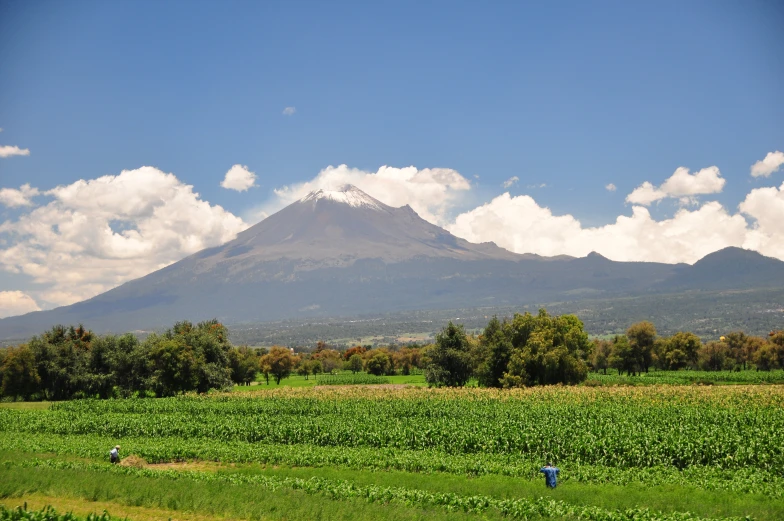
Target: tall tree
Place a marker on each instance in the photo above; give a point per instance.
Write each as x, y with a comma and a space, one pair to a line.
683, 349
736, 342
642, 337
602, 350
354, 363
495, 349
450, 364
546, 350
280, 362
20, 376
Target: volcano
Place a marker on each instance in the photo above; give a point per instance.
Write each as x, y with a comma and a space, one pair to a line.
342, 253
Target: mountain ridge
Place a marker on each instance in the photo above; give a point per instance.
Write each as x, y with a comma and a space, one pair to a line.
342, 252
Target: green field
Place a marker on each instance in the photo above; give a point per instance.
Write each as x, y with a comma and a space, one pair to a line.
343, 378
356, 452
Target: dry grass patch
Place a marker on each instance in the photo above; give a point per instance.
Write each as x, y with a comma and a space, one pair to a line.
83, 507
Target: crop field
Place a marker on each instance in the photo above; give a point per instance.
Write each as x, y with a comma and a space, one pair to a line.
625, 453
689, 377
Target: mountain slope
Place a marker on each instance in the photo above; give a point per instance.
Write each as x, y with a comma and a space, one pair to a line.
343, 253
730, 268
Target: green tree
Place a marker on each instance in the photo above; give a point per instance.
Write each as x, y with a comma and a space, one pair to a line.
602, 350
354, 363
622, 356
766, 358
715, 356
20, 376
546, 350
175, 366
316, 367
642, 337
736, 342
280, 362
450, 363
495, 349
378, 363
683, 349
244, 364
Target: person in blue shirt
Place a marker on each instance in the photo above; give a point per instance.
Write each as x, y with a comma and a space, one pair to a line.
550, 475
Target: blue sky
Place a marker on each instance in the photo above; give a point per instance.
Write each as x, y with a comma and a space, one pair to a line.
570, 95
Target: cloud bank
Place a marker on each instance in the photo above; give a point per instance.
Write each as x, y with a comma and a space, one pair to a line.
96, 234
92, 235
431, 192
16, 303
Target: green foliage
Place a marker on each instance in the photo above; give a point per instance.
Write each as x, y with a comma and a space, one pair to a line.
378, 363
354, 363
642, 337
546, 350
494, 351
72, 362
680, 350
20, 376
351, 379
342, 490
279, 362
244, 364
450, 363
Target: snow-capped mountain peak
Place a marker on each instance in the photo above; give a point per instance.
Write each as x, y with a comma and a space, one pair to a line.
346, 194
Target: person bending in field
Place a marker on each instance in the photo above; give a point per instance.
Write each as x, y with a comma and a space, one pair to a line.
114, 454
550, 475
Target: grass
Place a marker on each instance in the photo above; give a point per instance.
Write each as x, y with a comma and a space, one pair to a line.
197, 497
689, 377
300, 381
664, 498
82, 507
203, 498
26, 406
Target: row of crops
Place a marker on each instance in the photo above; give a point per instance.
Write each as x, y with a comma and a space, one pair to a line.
514, 508
722, 427
21, 513
689, 377
350, 379
157, 450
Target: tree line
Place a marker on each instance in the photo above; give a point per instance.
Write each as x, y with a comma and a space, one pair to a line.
524, 350
640, 349
72, 362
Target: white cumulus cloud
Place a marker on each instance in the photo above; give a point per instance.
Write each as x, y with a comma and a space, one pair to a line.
8, 151
766, 207
289, 111
13, 198
610, 187
681, 185
239, 178
767, 166
519, 224
431, 192
14, 303
511, 181
96, 234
